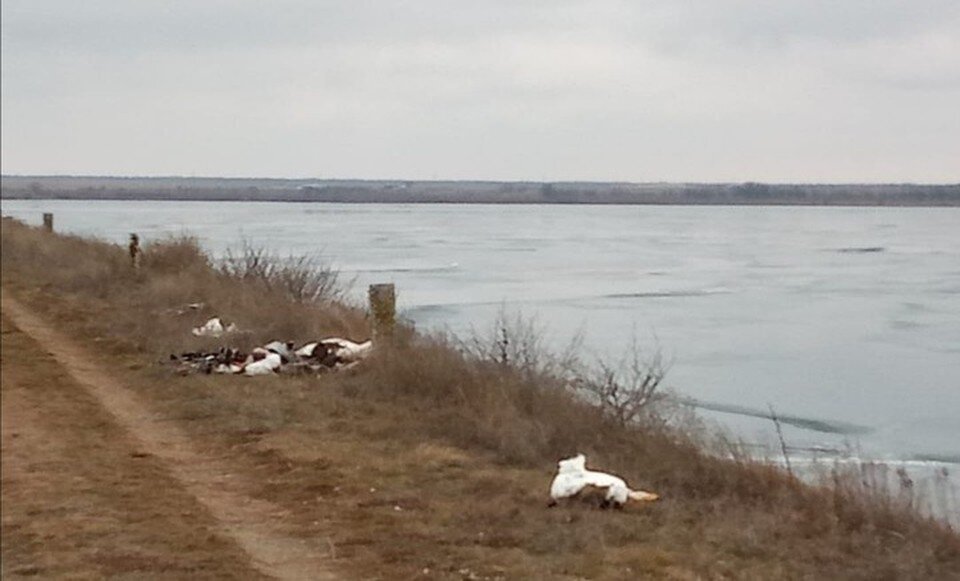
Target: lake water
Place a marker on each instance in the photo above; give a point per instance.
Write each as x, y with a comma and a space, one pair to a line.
845, 320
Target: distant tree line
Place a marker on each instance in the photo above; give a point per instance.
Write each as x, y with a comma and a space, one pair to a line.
400, 191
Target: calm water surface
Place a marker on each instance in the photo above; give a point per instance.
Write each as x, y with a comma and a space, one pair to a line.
845, 319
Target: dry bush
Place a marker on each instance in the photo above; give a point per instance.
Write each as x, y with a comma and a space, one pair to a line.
301, 278
515, 342
471, 403
175, 255
625, 390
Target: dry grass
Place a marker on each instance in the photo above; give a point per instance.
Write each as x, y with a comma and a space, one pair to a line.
458, 450
137, 309
115, 514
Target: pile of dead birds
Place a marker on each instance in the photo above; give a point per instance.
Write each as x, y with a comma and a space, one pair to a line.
324, 355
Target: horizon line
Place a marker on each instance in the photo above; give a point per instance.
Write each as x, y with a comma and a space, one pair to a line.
475, 180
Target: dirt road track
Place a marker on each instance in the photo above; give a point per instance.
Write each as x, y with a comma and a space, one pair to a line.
253, 524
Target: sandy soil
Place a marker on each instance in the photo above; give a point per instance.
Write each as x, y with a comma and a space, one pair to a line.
95, 484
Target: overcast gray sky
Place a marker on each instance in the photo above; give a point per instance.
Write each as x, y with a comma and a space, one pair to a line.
708, 90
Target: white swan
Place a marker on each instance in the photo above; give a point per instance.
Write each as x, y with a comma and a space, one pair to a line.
573, 478
285, 350
269, 365
307, 350
345, 350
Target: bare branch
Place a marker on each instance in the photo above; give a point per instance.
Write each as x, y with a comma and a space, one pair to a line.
302, 278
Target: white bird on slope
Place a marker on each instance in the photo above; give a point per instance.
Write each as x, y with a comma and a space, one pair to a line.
573, 478
285, 350
344, 349
269, 365
307, 350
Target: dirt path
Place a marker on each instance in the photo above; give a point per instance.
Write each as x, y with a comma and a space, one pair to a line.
252, 524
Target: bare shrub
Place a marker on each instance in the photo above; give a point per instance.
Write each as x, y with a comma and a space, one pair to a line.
175, 254
515, 342
625, 389
305, 278
477, 403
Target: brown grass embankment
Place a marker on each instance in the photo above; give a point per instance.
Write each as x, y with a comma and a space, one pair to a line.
425, 459
77, 489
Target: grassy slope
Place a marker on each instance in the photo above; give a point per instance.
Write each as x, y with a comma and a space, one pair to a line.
424, 461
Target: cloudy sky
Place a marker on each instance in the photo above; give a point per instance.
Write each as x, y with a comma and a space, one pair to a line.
656, 90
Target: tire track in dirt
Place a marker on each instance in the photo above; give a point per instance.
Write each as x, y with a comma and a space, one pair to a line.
254, 524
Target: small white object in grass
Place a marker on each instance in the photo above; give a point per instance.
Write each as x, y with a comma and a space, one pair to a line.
213, 328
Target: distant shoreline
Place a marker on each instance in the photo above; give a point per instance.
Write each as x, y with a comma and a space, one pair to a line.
473, 192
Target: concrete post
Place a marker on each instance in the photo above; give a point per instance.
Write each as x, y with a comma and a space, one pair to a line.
383, 310
48, 221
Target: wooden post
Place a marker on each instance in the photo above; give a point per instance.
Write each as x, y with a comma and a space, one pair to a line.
136, 255
48, 221
383, 310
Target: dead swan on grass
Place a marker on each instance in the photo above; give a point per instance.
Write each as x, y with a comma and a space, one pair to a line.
573, 480
345, 350
283, 349
268, 365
